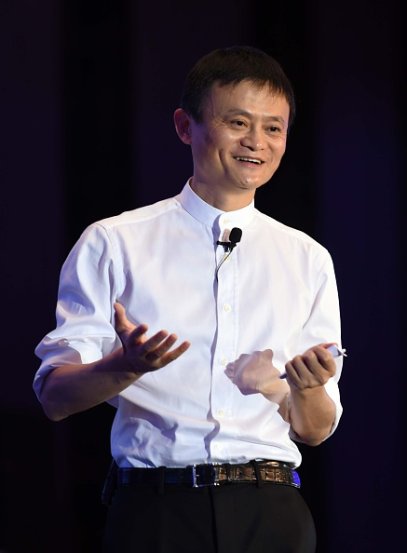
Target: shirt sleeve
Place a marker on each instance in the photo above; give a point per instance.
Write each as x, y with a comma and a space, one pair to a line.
84, 314
324, 324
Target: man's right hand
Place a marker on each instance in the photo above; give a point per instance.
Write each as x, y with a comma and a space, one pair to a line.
145, 354
72, 388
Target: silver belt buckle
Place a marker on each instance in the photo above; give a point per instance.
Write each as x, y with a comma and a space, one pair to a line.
204, 475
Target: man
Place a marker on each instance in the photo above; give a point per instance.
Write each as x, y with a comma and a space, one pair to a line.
203, 440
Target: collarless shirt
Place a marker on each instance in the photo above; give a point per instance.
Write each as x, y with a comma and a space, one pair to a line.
276, 290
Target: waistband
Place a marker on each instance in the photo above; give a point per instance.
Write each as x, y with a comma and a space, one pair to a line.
198, 476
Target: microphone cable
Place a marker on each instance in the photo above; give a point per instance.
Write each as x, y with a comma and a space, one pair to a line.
234, 237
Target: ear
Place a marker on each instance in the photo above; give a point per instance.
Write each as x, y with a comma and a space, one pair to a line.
182, 123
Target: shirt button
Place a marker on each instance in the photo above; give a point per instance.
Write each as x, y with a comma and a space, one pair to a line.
220, 413
227, 308
223, 361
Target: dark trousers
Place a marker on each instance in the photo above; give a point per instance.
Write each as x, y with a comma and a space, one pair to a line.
231, 518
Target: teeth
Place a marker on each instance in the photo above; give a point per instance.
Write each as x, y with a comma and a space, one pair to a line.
251, 160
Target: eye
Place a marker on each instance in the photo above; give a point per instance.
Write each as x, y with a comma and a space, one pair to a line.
238, 123
274, 129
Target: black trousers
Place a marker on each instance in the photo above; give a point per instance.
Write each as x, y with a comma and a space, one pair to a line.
231, 518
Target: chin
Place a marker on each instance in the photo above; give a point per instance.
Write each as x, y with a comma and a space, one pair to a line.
252, 185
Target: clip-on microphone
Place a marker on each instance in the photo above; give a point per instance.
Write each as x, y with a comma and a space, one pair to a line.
234, 237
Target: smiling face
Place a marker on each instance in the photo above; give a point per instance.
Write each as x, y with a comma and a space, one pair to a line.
238, 145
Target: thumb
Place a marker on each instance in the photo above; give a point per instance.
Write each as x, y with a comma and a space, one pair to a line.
269, 353
121, 321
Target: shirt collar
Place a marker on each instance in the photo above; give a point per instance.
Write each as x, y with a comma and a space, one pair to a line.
211, 216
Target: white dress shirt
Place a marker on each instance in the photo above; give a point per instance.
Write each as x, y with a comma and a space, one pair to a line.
276, 290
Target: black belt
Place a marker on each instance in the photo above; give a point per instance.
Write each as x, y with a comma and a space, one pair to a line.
197, 476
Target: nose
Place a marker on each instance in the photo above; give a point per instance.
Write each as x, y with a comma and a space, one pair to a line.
253, 139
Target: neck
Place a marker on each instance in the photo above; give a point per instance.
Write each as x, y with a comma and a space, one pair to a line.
221, 199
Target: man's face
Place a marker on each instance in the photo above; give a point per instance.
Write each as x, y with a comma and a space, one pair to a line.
240, 142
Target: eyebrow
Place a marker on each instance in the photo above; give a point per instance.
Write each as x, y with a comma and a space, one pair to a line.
276, 118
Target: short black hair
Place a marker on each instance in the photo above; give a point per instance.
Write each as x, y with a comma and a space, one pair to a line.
232, 65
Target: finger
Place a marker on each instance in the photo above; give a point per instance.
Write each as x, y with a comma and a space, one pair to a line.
268, 353
299, 364
297, 371
310, 358
230, 370
121, 321
309, 368
325, 359
135, 334
159, 356
175, 353
158, 340
318, 354
154, 353
328, 345
318, 361
130, 335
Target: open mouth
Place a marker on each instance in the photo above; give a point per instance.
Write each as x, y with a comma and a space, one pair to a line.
249, 160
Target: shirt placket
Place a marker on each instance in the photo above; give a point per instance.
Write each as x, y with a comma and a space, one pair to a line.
225, 349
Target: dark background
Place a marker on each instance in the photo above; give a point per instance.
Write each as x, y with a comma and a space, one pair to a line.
87, 92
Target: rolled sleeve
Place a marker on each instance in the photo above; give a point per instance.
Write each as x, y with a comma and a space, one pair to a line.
87, 290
